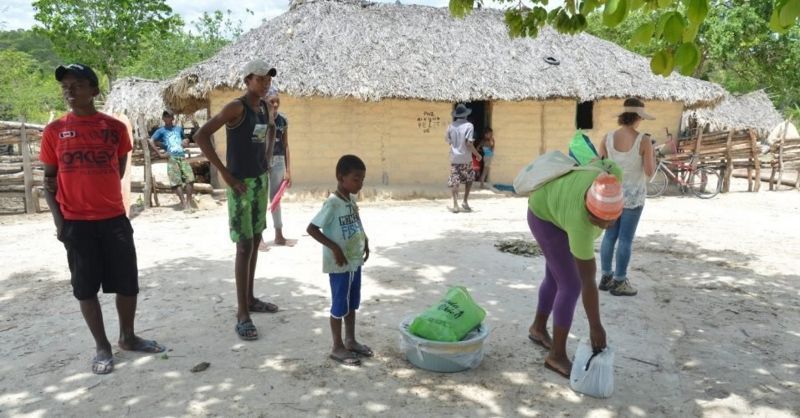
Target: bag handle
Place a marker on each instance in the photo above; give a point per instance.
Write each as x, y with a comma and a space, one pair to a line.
594, 354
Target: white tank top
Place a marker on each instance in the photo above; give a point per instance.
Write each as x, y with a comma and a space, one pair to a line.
634, 185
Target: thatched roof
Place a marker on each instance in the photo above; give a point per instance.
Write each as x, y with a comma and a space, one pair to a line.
749, 111
136, 97
371, 51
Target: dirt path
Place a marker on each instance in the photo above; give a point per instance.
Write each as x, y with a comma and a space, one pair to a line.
713, 332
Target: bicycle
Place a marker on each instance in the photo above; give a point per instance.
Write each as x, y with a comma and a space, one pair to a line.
704, 181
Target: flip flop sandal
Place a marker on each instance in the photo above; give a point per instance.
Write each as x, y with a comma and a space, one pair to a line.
346, 361
453, 209
363, 351
147, 346
263, 307
560, 372
466, 207
538, 342
246, 330
104, 366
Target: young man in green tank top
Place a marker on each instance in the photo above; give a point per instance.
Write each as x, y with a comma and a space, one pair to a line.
250, 131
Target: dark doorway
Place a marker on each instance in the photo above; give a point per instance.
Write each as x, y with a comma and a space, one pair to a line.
584, 115
480, 117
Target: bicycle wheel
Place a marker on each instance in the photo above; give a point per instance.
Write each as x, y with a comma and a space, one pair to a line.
705, 182
657, 183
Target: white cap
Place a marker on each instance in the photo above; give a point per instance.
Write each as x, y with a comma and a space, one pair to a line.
258, 67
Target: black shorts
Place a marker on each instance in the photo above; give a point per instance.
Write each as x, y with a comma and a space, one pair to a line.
101, 253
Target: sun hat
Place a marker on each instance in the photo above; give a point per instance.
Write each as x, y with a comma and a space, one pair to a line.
604, 198
258, 67
461, 111
639, 110
79, 71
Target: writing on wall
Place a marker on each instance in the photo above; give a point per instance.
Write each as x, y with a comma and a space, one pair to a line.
428, 121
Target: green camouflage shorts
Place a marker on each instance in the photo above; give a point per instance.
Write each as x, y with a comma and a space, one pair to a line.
179, 171
247, 212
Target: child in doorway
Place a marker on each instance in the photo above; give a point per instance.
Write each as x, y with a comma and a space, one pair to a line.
487, 143
338, 227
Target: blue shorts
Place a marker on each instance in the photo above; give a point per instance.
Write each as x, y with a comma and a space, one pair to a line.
345, 292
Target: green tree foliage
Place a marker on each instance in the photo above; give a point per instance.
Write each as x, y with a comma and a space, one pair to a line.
743, 54
739, 50
33, 44
673, 24
164, 55
100, 33
26, 89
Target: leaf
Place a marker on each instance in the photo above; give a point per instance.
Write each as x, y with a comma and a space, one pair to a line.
690, 33
662, 63
634, 5
662, 23
460, 8
588, 6
775, 22
789, 12
697, 10
615, 12
514, 22
687, 57
643, 34
673, 30
663, 4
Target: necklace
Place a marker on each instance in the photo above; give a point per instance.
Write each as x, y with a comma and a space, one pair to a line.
341, 196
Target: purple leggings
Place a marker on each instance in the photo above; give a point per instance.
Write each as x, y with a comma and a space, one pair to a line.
562, 284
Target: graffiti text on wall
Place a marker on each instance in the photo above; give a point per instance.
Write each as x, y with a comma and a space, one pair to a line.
428, 121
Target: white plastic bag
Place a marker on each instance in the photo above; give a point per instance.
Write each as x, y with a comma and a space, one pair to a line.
545, 168
592, 374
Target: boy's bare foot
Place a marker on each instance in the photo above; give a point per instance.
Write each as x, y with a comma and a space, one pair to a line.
103, 362
541, 338
345, 357
141, 345
561, 366
360, 349
285, 242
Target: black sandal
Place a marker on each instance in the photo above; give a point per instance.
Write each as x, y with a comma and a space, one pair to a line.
246, 330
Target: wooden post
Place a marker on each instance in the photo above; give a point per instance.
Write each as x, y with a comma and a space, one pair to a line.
27, 168
543, 145
148, 173
699, 139
780, 155
756, 161
726, 181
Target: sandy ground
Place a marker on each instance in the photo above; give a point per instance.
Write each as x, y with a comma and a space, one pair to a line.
713, 332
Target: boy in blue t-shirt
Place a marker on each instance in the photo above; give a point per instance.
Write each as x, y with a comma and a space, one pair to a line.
181, 176
338, 227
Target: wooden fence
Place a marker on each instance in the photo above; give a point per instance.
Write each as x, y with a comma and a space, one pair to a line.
21, 173
729, 150
784, 155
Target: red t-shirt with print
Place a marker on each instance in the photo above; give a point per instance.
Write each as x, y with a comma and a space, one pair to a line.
86, 150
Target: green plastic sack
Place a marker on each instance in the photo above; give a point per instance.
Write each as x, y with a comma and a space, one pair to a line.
581, 148
451, 319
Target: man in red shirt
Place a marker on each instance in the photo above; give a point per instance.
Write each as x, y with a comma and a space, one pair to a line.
84, 155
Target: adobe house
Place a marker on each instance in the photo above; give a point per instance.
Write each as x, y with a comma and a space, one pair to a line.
381, 80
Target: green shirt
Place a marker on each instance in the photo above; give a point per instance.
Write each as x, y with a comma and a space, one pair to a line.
340, 222
562, 202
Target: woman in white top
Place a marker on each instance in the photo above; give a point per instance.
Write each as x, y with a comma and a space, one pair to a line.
633, 152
